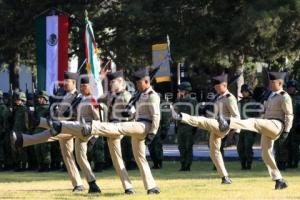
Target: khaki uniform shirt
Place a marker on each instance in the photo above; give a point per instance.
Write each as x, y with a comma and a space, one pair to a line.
148, 107
88, 109
226, 104
279, 106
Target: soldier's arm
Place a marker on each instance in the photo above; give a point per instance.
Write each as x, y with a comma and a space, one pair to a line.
154, 112
233, 109
287, 108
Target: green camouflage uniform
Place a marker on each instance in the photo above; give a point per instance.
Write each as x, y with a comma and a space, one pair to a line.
185, 133
3, 112
246, 138
97, 154
294, 136
156, 146
19, 127
42, 150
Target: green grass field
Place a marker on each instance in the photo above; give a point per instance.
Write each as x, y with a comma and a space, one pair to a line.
201, 183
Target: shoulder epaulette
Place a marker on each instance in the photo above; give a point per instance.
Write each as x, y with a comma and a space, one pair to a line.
228, 95
282, 92
151, 92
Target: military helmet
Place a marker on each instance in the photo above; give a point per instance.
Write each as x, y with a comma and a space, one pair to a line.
185, 86
43, 94
246, 88
20, 96
292, 83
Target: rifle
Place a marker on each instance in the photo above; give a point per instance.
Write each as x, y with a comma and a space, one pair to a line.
137, 95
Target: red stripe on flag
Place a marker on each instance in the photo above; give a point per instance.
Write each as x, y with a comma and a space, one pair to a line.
63, 41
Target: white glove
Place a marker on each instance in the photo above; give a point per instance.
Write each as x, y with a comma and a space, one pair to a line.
175, 115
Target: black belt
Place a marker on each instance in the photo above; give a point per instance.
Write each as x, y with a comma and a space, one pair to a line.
118, 120
144, 120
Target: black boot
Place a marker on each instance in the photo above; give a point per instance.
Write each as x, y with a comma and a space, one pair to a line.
226, 180
93, 187
280, 184
86, 128
188, 168
243, 164
78, 188
249, 165
55, 127
129, 191
153, 191
223, 123
182, 168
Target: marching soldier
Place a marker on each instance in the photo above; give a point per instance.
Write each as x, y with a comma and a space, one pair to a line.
225, 104
72, 105
185, 132
246, 138
156, 146
294, 136
276, 123
142, 131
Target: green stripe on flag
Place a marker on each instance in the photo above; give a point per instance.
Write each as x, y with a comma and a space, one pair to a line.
91, 52
40, 27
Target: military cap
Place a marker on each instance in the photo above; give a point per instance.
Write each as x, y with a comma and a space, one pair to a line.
220, 79
85, 80
115, 75
70, 75
277, 75
43, 94
20, 96
141, 73
1, 94
246, 88
292, 83
185, 86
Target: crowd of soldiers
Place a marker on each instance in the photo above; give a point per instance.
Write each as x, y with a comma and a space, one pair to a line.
36, 138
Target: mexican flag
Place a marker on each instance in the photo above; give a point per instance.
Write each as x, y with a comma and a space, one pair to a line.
52, 50
92, 61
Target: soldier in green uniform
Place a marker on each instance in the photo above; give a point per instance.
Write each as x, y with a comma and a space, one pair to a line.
185, 133
156, 147
96, 155
2, 130
19, 126
7, 126
42, 150
246, 138
31, 154
294, 136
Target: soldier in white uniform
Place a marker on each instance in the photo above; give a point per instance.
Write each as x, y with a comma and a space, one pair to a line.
142, 130
226, 104
277, 122
85, 109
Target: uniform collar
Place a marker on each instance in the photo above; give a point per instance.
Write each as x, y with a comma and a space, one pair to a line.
224, 94
71, 92
147, 91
